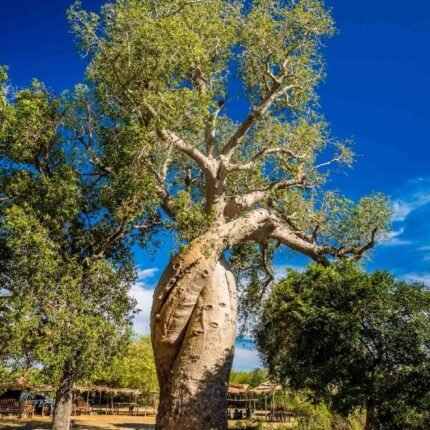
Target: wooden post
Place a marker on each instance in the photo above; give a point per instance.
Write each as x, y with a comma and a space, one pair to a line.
265, 406
273, 403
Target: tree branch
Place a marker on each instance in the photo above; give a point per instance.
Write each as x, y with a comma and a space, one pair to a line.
250, 120
236, 205
175, 141
276, 91
6, 198
166, 136
288, 238
210, 132
259, 155
117, 235
267, 266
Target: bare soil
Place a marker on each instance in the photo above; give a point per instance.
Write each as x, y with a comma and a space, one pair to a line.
83, 422
90, 422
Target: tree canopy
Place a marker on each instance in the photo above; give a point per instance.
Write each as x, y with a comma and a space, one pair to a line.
65, 270
253, 378
170, 69
355, 340
133, 368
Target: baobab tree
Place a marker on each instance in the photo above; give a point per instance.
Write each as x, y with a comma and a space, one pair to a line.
180, 73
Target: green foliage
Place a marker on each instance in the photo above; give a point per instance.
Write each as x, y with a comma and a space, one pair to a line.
354, 340
317, 416
190, 218
252, 378
284, 36
156, 45
65, 275
166, 66
133, 368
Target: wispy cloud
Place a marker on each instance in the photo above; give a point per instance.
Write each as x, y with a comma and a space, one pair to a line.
146, 273
393, 238
142, 291
246, 359
143, 297
280, 270
415, 194
417, 277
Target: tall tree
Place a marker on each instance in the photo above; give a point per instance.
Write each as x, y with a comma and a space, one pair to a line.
170, 69
66, 265
355, 340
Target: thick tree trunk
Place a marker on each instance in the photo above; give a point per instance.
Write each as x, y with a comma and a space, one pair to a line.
193, 326
63, 403
370, 416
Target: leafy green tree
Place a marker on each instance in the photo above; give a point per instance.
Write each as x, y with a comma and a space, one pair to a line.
133, 369
355, 340
252, 378
168, 69
66, 265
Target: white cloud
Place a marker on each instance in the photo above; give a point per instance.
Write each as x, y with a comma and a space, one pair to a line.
143, 293
280, 270
417, 277
146, 273
143, 297
415, 194
246, 359
393, 239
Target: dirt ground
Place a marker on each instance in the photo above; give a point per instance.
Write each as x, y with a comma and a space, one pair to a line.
87, 422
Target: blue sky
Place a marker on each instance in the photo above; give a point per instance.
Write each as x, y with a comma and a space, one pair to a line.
377, 92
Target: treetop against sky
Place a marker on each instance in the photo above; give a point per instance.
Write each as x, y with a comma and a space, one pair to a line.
375, 92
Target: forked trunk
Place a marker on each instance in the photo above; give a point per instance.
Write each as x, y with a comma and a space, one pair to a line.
193, 324
63, 403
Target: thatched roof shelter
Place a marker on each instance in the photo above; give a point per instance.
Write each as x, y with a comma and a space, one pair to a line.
20, 383
103, 389
267, 388
43, 388
238, 388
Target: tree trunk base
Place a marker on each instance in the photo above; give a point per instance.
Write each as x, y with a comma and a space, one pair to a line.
194, 369
63, 404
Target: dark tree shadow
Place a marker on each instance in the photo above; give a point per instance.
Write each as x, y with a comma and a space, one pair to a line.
138, 426
6, 424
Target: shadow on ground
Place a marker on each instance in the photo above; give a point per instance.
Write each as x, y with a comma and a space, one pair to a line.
6, 424
131, 426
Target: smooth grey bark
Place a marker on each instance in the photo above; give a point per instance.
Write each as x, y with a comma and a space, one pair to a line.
63, 403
